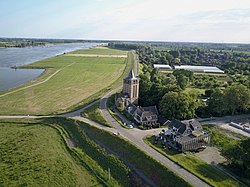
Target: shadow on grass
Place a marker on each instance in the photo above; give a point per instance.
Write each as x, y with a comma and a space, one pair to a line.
21, 122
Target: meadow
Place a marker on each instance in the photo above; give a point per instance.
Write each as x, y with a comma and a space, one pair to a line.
63, 152
34, 154
101, 51
74, 81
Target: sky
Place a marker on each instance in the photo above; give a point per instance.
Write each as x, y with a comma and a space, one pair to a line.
150, 20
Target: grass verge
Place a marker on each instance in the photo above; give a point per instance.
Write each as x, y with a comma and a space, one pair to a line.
154, 170
94, 113
90, 154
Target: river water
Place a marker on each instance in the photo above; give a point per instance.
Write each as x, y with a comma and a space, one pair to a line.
9, 57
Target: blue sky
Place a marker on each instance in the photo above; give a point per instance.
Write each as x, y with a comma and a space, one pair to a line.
165, 20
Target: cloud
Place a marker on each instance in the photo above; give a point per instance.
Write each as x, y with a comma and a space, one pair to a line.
207, 20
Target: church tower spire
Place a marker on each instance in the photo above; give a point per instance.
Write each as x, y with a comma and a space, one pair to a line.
131, 87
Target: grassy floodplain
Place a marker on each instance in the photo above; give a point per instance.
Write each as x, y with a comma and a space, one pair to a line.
101, 51
72, 80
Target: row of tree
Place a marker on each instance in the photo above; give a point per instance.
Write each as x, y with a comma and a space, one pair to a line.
167, 91
235, 98
239, 157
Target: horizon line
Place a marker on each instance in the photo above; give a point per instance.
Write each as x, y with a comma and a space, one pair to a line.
129, 40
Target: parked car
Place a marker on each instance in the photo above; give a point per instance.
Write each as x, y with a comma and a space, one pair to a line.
130, 126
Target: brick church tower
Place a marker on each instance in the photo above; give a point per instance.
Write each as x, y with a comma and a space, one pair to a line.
131, 87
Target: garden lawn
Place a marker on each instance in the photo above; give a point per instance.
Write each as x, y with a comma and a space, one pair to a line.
79, 78
33, 154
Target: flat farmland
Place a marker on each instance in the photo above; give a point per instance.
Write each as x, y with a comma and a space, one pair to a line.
66, 84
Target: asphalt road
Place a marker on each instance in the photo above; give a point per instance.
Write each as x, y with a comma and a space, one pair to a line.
135, 136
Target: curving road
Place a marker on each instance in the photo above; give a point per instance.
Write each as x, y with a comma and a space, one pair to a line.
135, 136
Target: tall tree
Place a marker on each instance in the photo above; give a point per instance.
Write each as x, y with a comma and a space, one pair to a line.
182, 81
239, 156
183, 77
237, 97
178, 105
216, 103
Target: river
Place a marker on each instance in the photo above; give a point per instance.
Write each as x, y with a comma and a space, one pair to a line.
10, 78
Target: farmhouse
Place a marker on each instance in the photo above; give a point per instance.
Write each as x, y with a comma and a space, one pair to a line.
186, 135
146, 116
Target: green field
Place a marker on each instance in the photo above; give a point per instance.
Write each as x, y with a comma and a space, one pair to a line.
33, 154
77, 80
61, 152
101, 51
55, 152
94, 113
190, 162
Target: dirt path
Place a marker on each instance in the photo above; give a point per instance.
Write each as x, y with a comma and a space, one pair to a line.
36, 84
97, 55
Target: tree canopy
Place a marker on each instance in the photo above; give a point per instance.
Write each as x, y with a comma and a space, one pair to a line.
239, 156
237, 97
177, 105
